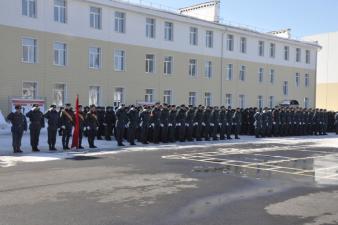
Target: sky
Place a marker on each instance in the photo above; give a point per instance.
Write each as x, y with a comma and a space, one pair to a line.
304, 17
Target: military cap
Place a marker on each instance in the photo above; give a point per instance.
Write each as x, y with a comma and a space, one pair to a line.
17, 106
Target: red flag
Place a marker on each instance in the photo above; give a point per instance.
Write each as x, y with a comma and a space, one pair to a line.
75, 143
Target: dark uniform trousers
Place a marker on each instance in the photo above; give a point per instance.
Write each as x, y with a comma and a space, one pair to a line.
52, 132
66, 134
17, 137
35, 129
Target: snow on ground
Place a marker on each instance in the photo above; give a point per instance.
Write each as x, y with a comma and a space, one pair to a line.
7, 158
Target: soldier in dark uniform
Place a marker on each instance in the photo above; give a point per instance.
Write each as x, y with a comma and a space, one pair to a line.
206, 123
276, 122
164, 120
133, 123
269, 123
53, 118
144, 124
190, 123
236, 122
264, 123
198, 122
121, 122
92, 124
180, 123
325, 121
214, 123
19, 125
109, 123
155, 123
222, 123
228, 117
66, 122
60, 111
82, 123
36, 123
172, 124
258, 123
100, 112
336, 122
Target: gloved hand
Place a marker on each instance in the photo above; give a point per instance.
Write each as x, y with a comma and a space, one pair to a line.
63, 127
88, 128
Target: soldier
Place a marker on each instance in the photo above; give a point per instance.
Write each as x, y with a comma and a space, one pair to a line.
164, 120
52, 117
214, 123
325, 121
100, 112
265, 122
180, 123
222, 123
82, 125
121, 122
258, 123
336, 122
36, 123
155, 123
236, 122
228, 117
269, 123
276, 123
92, 124
190, 123
109, 123
59, 113
206, 123
132, 125
19, 125
66, 122
144, 124
172, 123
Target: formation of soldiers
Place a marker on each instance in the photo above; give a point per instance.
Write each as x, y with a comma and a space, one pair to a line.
166, 124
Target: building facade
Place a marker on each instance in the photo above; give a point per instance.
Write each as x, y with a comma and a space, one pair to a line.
111, 52
327, 70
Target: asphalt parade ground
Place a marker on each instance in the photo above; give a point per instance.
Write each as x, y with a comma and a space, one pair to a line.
282, 181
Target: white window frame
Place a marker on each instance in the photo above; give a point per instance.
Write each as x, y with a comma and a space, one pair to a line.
228, 100
241, 101
308, 57
33, 48
119, 60
36, 90
60, 11
192, 67
26, 11
209, 39
150, 63
150, 28
99, 94
117, 102
306, 102
272, 76
297, 76
298, 55
208, 69
95, 18
168, 65
243, 45
261, 48
260, 75
64, 94
230, 42
242, 72
286, 53
307, 80
193, 36
120, 22
168, 98
207, 99
260, 102
271, 101
149, 97
285, 88
168, 31
93, 55
272, 50
229, 72
192, 98
61, 53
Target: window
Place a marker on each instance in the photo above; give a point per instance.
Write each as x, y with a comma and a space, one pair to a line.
207, 99
272, 76
242, 72
209, 39
168, 31
29, 50
243, 45
192, 98
60, 54
242, 101
118, 96
297, 79
94, 95
150, 28
119, 60
192, 67
59, 94
298, 55
286, 53
60, 11
29, 90
260, 75
271, 101
150, 63
307, 56
307, 80
208, 69
229, 72
149, 96
193, 36
120, 22
228, 100
29, 8
168, 65
230, 42
272, 50
306, 103
95, 58
167, 97
261, 48
260, 102
286, 88
95, 18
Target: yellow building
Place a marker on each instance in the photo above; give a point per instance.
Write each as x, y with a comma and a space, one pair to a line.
110, 52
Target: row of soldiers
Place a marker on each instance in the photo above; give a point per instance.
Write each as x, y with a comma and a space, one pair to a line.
166, 123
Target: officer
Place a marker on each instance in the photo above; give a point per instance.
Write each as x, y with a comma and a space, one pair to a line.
36, 123
92, 124
214, 123
198, 122
222, 123
172, 124
258, 123
52, 117
144, 124
19, 125
66, 122
109, 123
132, 124
190, 123
228, 117
155, 123
164, 120
276, 122
121, 122
265, 122
336, 122
325, 121
100, 112
180, 123
269, 123
236, 122
206, 123
82, 123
